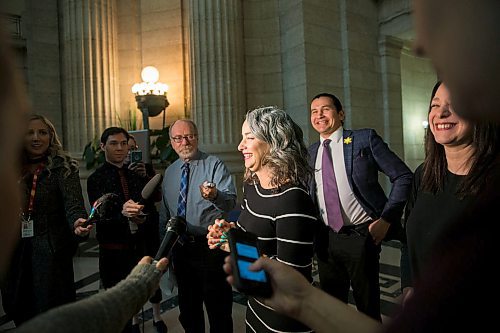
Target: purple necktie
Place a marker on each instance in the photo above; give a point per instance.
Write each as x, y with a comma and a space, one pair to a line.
330, 189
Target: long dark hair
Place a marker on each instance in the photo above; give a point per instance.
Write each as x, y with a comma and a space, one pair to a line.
485, 141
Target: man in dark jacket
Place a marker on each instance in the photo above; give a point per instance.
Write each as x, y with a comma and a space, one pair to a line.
122, 240
354, 208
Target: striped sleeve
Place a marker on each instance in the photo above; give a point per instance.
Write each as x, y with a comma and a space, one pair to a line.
294, 231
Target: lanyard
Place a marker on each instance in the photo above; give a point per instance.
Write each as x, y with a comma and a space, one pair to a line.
38, 171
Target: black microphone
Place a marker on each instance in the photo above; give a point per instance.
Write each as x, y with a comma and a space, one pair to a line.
103, 206
176, 227
149, 188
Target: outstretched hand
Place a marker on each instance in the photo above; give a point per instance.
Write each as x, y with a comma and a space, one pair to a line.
289, 286
133, 210
161, 265
295, 297
79, 229
208, 190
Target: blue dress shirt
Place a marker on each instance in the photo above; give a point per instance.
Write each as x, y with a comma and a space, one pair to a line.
200, 213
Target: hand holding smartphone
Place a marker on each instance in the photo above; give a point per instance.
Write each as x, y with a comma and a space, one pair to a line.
244, 251
136, 156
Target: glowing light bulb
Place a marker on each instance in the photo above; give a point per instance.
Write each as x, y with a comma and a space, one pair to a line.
150, 74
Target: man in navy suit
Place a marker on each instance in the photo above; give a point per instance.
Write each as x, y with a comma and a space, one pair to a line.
357, 214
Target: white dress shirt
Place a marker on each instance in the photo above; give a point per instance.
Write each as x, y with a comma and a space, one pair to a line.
352, 211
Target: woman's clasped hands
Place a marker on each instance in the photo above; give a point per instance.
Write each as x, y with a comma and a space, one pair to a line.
217, 234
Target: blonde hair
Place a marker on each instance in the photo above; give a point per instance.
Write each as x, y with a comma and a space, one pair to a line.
55, 148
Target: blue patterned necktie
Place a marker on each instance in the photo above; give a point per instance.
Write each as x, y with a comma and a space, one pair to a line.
182, 202
330, 189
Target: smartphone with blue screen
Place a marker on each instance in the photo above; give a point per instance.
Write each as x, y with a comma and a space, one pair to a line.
244, 251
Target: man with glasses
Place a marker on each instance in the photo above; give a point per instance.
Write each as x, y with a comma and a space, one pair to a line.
199, 187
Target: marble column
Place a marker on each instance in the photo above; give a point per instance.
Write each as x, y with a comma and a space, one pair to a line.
89, 75
390, 49
217, 77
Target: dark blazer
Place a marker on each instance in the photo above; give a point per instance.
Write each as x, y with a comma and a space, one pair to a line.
365, 154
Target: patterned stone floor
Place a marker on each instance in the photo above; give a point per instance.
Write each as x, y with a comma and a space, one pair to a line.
87, 283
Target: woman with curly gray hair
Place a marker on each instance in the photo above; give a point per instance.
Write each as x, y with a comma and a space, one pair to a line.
52, 213
286, 158
276, 205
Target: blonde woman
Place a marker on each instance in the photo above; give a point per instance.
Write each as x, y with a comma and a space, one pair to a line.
52, 212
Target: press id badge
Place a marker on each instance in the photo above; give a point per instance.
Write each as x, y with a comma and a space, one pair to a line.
27, 227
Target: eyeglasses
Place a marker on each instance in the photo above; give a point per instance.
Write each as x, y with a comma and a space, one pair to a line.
188, 137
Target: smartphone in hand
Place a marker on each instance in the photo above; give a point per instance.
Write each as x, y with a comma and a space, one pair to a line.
136, 156
244, 251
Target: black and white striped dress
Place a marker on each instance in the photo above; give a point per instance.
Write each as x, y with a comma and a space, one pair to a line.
284, 222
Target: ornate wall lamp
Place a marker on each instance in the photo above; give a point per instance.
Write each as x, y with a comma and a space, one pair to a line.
150, 95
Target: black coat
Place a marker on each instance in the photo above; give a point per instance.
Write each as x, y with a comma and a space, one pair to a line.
113, 227
41, 275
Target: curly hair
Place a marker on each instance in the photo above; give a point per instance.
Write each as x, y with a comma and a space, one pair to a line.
55, 148
287, 156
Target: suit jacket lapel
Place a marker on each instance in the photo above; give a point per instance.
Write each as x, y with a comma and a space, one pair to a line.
313, 153
348, 149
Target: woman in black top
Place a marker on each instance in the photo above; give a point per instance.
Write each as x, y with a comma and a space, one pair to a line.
459, 156
276, 206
